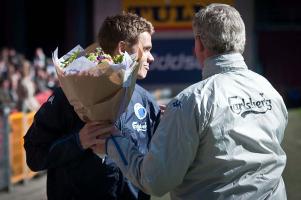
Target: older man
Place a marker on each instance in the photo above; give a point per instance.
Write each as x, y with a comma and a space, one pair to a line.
219, 138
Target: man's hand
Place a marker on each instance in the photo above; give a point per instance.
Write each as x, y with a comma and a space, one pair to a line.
93, 133
162, 108
100, 147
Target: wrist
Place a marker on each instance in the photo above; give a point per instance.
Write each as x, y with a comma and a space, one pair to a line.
78, 141
115, 132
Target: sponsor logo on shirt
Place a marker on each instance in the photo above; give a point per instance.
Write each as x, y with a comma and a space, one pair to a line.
177, 104
244, 106
140, 111
139, 127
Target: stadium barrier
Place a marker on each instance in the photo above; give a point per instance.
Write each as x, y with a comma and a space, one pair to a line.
19, 123
13, 167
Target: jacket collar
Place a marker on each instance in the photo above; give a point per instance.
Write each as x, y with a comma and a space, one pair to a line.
223, 63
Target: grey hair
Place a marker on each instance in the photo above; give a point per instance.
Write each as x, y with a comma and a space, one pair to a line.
220, 28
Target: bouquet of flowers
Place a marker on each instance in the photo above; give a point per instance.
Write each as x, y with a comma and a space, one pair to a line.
98, 86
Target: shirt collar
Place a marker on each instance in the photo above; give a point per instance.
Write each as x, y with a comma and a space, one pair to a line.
223, 63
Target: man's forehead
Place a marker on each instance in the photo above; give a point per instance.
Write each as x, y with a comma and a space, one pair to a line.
145, 39
145, 36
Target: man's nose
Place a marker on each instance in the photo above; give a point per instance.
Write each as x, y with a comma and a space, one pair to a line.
150, 58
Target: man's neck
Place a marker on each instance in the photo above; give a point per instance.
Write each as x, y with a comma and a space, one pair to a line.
207, 54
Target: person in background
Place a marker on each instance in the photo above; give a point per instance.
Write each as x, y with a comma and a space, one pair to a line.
219, 138
59, 142
5, 95
26, 90
39, 60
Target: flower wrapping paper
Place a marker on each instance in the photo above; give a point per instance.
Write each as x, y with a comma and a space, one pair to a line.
101, 91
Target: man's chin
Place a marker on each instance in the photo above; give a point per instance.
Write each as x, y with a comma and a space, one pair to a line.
141, 76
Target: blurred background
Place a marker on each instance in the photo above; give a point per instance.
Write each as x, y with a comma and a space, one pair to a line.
30, 30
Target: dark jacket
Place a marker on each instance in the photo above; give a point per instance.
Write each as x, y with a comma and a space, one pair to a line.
52, 144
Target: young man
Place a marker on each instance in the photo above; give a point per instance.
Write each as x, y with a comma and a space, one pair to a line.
59, 142
219, 138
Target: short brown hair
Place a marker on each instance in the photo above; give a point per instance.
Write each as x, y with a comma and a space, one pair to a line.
122, 27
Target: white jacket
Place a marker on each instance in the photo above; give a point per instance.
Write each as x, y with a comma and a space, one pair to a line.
218, 139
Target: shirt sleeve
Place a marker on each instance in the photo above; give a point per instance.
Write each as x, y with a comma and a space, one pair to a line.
172, 151
48, 143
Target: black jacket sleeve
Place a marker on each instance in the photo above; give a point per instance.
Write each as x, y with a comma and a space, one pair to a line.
52, 140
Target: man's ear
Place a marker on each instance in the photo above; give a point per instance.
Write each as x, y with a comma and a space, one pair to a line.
121, 47
200, 43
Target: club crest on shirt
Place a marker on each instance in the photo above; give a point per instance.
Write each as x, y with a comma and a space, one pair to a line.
140, 111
